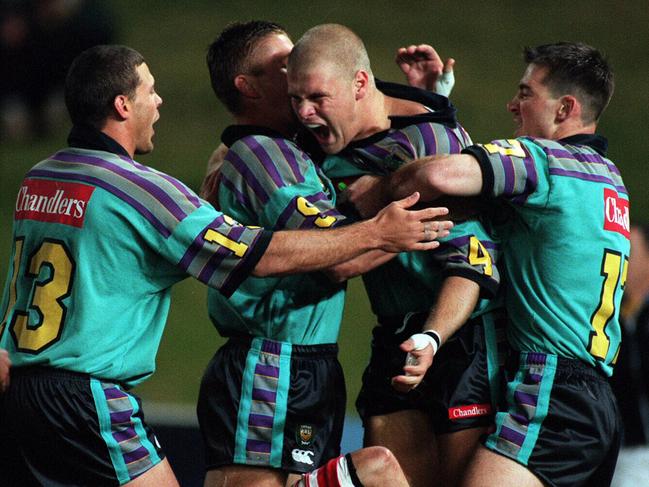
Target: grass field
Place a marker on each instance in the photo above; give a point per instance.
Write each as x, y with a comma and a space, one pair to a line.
484, 37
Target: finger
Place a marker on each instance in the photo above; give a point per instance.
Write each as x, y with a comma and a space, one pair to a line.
429, 213
408, 345
423, 246
408, 201
448, 65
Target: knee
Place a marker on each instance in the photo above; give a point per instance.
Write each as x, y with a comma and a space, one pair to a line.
378, 459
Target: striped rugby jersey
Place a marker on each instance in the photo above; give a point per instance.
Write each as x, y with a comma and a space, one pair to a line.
567, 243
411, 281
268, 181
98, 241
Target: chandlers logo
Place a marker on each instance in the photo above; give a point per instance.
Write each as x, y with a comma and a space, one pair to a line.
53, 201
616, 213
469, 411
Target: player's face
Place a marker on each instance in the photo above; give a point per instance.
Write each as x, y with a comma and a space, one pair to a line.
145, 110
268, 65
324, 102
534, 107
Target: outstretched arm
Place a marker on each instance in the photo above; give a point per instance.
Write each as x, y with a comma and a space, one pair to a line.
456, 301
394, 229
424, 69
432, 177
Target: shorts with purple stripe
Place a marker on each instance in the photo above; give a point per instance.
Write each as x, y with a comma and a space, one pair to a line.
559, 419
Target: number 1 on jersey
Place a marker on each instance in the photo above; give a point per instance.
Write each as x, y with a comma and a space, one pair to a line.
614, 270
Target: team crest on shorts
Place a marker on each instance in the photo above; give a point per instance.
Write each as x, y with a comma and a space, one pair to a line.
304, 434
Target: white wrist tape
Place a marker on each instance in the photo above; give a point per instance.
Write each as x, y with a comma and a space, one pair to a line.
429, 337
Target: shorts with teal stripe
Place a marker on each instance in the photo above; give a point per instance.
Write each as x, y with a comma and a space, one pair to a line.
73, 429
272, 404
559, 419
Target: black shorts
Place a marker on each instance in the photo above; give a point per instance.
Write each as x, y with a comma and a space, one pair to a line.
64, 428
459, 389
272, 404
560, 421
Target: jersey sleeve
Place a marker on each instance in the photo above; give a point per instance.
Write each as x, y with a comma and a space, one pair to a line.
276, 185
190, 233
513, 169
470, 251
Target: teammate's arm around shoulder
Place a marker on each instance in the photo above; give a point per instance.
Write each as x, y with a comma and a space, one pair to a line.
5, 365
434, 176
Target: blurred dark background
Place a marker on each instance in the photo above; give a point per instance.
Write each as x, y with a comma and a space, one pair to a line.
485, 38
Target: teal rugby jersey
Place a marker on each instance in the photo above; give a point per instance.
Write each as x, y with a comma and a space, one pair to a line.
98, 241
411, 281
567, 247
267, 181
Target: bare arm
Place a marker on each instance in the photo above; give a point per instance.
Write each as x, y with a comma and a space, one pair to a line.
209, 184
359, 265
5, 364
456, 301
394, 229
434, 176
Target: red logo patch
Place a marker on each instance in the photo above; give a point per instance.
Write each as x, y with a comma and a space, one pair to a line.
53, 201
616, 213
469, 411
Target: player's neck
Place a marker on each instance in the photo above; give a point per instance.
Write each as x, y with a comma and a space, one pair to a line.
375, 115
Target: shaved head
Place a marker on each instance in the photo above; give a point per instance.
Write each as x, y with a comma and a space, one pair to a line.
332, 45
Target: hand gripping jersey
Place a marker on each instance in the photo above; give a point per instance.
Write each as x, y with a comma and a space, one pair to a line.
411, 281
567, 243
98, 241
267, 181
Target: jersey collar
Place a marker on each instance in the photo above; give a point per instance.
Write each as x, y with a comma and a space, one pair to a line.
594, 141
86, 137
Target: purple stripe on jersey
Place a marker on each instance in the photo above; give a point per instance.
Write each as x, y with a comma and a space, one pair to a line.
429, 138
402, 139
377, 151
247, 175
265, 159
511, 435
267, 370
240, 197
582, 157
136, 205
190, 195
210, 267
464, 240
586, 177
290, 158
525, 398
120, 417
197, 244
454, 144
114, 393
260, 421
264, 395
274, 348
510, 174
258, 446
534, 377
153, 189
135, 455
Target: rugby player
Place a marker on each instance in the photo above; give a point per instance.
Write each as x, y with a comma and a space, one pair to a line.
375, 128
98, 241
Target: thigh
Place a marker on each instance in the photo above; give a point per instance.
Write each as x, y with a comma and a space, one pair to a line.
409, 435
243, 476
488, 469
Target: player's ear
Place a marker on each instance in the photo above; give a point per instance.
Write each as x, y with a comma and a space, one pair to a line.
245, 86
361, 84
569, 106
122, 106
